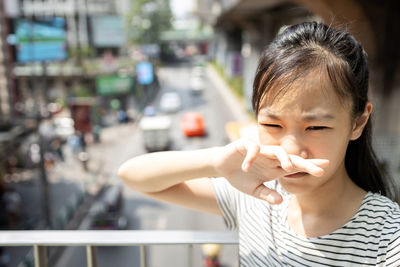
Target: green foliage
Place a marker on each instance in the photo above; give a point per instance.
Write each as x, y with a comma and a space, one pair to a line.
84, 52
236, 83
147, 19
81, 91
62, 102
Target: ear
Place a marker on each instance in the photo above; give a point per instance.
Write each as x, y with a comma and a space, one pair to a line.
361, 121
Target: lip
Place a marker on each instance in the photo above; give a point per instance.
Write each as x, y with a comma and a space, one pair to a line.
296, 175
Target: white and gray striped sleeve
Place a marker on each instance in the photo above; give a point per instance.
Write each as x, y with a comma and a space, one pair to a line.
227, 198
393, 252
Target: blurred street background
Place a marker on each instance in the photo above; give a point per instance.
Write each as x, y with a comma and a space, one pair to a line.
87, 84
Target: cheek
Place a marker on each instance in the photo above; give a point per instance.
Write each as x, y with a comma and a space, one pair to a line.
266, 138
332, 148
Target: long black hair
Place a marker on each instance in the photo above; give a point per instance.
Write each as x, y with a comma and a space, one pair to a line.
302, 48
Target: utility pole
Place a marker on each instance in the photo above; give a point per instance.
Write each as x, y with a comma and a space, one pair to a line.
7, 83
43, 172
2, 61
77, 30
44, 181
42, 89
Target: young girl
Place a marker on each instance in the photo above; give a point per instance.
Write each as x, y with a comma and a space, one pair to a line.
309, 191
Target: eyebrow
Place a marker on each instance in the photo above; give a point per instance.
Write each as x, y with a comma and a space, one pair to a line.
317, 116
307, 116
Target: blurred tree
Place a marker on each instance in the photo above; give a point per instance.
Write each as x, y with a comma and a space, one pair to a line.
147, 19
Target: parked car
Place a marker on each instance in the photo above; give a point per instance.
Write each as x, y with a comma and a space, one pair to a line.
155, 132
149, 111
197, 72
196, 84
107, 212
192, 124
170, 102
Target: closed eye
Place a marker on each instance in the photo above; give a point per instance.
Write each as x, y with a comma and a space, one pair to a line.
314, 128
271, 125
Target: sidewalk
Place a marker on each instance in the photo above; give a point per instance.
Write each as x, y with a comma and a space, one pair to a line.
245, 125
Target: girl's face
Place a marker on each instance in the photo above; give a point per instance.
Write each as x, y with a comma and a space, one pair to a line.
308, 120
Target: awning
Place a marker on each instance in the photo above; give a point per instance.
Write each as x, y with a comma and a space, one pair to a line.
247, 8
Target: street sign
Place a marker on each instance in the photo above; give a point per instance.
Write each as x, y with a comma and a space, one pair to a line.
41, 40
144, 72
113, 85
108, 31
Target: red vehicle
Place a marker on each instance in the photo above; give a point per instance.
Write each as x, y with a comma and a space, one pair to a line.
193, 124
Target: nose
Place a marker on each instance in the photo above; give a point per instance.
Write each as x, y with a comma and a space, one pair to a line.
294, 146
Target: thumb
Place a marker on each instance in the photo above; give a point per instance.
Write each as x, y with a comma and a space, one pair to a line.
252, 151
267, 194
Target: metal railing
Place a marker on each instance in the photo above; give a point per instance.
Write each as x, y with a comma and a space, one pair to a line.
40, 240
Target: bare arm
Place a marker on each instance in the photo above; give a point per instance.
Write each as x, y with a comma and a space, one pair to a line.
155, 172
174, 176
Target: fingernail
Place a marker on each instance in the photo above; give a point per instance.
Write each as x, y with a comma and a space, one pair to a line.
245, 166
318, 172
323, 163
288, 167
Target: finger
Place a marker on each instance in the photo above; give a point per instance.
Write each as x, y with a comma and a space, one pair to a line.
279, 153
322, 163
267, 194
252, 151
284, 159
306, 165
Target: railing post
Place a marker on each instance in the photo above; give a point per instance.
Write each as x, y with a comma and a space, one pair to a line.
40, 256
91, 256
190, 257
143, 256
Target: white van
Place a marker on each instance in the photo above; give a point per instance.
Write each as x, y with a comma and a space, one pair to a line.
155, 132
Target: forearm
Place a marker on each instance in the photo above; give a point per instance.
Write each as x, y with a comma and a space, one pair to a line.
156, 172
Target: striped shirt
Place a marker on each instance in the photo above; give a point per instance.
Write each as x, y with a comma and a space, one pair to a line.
370, 238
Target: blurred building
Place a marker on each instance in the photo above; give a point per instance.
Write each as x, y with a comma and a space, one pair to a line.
38, 77
60, 56
84, 29
76, 13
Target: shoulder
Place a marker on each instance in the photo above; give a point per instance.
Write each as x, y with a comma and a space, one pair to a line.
382, 214
381, 206
389, 216
375, 229
380, 210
